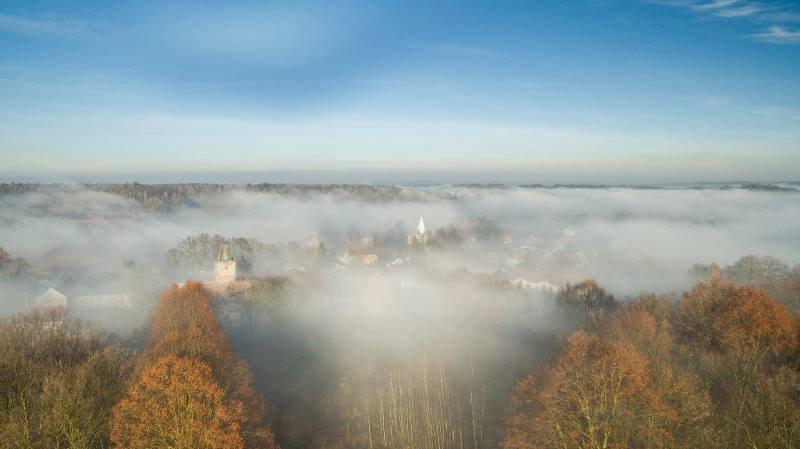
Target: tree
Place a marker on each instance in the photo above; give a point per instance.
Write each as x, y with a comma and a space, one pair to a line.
721, 316
740, 340
12, 267
449, 237
752, 322
645, 323
60, 379
4, 258
587, 303
758, 271
184, 325
789, 293
700, 272
596, 395
177, 404
587, 295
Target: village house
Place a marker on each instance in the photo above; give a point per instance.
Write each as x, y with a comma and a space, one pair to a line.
101, 302
362, 253
51, 298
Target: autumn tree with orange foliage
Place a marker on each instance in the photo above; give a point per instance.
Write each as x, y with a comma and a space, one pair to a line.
721, 316
185, 326
645, 323
177, 404
741, 339
596, 395
712, 371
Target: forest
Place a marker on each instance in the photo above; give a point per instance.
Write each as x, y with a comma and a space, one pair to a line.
716, 367
519, 318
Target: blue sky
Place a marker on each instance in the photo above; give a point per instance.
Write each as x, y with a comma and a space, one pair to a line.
538, 91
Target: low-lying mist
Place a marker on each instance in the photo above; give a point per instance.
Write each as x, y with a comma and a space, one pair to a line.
629, 239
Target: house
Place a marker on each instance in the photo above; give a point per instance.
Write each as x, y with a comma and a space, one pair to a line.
101, 302
540, 285
357, 254
51, 298
361, 252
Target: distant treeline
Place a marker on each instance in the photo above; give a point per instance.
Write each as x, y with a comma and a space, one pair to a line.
757, 187
166, 196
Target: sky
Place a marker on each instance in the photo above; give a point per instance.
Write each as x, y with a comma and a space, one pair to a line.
600, 91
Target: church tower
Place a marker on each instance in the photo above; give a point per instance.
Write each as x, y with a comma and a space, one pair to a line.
225, 265
421, 237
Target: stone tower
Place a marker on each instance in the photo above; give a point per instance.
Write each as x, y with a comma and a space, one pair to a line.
225, 265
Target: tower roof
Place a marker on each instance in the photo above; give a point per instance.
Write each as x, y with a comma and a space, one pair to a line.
421, 226
224, 254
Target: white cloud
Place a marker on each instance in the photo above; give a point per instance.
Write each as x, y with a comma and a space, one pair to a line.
744, 11
719, 8
777, 34
772, 11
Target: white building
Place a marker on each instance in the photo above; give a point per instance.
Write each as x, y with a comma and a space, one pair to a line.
422, 237
101, 302
224, 266
51, 298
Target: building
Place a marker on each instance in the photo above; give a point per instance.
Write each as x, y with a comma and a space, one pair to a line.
422, 237
51, 298
224, 266
313, 243
224, 283
360, 254
101, 302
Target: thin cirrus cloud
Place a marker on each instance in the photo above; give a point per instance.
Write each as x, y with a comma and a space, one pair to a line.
777, 34
729, 8
763, 11
44, 26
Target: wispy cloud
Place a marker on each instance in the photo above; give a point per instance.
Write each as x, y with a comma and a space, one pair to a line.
728, 8
37, 26
755, 11
778, 35
719, 8
777, 111
781, 16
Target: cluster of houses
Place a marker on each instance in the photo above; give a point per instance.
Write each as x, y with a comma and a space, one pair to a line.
363, 252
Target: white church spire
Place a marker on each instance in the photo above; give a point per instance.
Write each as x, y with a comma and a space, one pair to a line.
421, 226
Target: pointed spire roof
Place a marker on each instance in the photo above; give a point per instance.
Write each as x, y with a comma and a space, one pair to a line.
224, 254
421, 226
